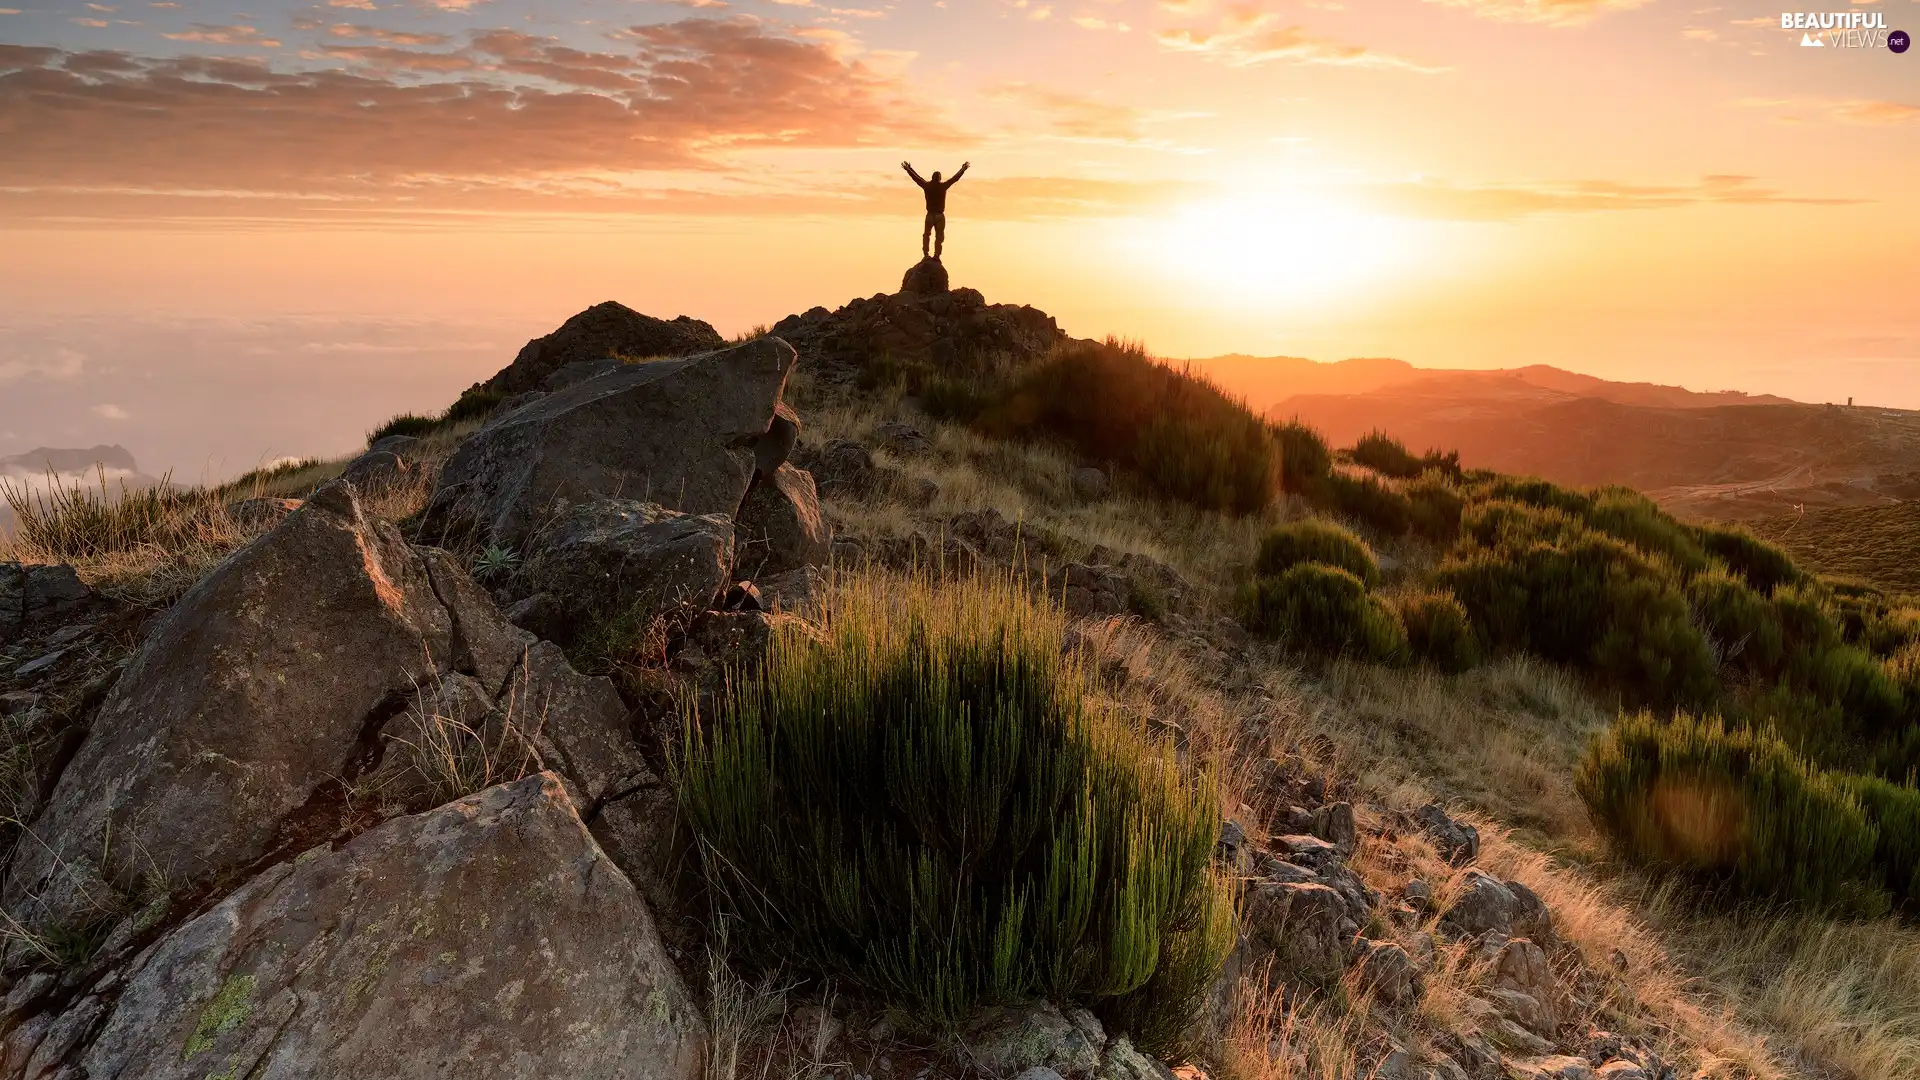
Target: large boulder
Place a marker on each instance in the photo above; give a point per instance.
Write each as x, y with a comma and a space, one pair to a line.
615, 558
928, 277
322, 675
679, 433
489, 937
254, 692
780, 528
601, 332
1485, 904
925, 323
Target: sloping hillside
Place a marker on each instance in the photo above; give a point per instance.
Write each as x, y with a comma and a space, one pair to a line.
1876, 544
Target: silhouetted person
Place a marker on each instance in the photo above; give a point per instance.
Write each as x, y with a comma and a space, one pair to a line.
936, 190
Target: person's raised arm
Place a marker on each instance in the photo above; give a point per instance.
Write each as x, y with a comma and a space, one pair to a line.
916, 176
963, 171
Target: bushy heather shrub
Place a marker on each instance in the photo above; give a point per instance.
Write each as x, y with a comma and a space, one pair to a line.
1386, 455
1181, 434
1313, 540
1325, 610
1438, 630
1366, 500
1630, 516
1533, 491
1304, 456
1762, 564
1894, 809
412, 424
475, 403
1735, 805
1744, 624
928, 806
1435, 507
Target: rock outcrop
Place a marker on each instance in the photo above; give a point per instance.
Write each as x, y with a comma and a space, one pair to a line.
34, 595
601, 332
948, 330
679, 433
780, 528
928, 277
490, 936
615, 558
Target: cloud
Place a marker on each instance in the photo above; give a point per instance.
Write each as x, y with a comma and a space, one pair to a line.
1506, 202
58, 363
1549, 12
416, 122
107, 411
1875, 112
1074, 115
224, 35
391, 37
1247, 35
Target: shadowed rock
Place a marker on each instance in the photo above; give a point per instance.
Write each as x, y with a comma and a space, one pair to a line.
780, 528
618, 558
927, 277
491, 933
679, 433
603, 331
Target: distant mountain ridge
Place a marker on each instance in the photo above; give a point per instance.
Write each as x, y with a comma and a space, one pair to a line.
1723, 455
28, 474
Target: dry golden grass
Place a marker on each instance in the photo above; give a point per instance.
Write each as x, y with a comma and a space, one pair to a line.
1034, 484
147, 548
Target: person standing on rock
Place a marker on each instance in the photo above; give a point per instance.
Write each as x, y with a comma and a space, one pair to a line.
936, 190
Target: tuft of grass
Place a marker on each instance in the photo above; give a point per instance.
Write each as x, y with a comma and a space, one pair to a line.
930, 806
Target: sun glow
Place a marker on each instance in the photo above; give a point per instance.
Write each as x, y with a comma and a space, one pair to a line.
1277, 248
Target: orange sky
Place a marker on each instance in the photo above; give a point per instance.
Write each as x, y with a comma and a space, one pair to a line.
1638, 189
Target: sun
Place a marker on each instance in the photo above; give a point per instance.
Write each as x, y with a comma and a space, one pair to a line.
1280, 247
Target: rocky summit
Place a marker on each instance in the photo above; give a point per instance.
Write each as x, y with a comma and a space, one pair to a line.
402, 777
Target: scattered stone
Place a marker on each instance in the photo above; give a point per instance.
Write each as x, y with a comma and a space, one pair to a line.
489, 932
1418, 895
1005, 1041
1123, 1062
681, 434
1308, 851
780, 528
18, 702
1621, 1070
601, 332
1457, 842
1303, 925
376, 469
638, 562
39, 664
33, 595
1551, 1067
1387, 970
1486, 904
1091, 483
1335, 824
902, 439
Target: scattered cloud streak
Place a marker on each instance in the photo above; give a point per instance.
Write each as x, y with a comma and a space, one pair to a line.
1245, 34
1507, 202
1548, 12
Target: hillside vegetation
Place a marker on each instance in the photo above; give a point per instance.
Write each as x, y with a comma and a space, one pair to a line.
1083, 713
1878, 545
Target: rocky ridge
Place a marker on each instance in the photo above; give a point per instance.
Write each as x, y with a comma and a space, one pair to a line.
348, 807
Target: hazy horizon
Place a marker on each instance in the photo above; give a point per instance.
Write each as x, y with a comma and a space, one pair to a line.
369, 204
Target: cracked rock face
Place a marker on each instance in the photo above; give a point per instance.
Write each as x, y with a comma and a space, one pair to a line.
490, 937
259, 688
680, 433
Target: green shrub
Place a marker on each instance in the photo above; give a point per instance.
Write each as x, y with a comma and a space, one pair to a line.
1887, 631
1503, 523
1745, 624
1317, 541
1533, 491
1630, 516
1326, 610
1894, 810
1224, 462
1650, 647
1762, 564
1180, 433
474, 403
1435, 507
1861, 686
1386, 455
1304, 456
1735, 805
1438, 631
927, 805
1364, 499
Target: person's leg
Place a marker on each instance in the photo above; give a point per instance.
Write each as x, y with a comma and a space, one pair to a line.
939, 235
926, 234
